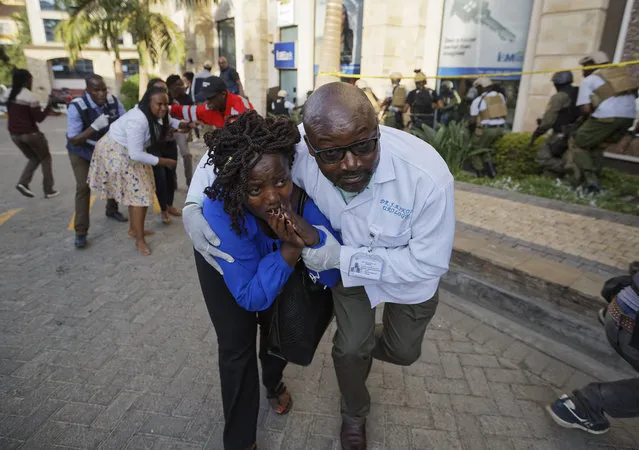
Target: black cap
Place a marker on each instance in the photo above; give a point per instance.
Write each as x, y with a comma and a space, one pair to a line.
210, 86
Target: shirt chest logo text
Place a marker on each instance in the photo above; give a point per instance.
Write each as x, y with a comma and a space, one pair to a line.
395, 209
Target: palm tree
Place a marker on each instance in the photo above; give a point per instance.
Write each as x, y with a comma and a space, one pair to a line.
154, 33
330, 51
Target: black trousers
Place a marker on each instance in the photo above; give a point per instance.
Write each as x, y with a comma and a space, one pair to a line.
166, 178
236, 330
617, 398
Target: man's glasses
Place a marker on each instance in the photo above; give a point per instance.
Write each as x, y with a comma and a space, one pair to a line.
336, 154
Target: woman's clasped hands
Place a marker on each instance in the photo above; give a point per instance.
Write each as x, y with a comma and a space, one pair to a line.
292, 229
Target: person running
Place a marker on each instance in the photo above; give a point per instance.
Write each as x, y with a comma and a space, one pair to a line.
89, 117
121, 168
178, 96
219, 104
24, 114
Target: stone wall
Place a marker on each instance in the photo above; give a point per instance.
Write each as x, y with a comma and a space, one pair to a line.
567, 30
393, 38
631, 46
254, 41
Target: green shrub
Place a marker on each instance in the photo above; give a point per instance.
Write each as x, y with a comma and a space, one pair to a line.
129, 91
514, 157
453, 142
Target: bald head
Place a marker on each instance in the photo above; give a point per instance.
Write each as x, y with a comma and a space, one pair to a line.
338, 110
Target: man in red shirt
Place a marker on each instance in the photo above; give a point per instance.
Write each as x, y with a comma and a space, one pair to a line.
219, 104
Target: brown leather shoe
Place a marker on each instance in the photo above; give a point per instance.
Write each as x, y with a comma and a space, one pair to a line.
353, 436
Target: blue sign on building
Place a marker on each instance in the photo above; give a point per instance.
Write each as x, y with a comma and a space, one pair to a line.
284, 55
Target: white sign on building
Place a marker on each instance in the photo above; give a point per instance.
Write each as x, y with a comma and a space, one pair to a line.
484, 36
285, 13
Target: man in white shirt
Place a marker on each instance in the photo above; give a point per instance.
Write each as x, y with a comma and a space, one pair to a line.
391, 196
608, 96
199, 78
488, 118
394, 103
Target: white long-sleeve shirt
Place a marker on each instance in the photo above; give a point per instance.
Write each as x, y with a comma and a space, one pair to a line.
408, 208
132, 131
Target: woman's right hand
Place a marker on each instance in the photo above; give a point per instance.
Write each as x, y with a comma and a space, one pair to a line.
168, 162
279, 222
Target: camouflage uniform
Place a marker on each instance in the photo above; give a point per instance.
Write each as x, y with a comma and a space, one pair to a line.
551, 155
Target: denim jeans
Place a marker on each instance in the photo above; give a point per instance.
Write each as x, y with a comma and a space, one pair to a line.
618, 398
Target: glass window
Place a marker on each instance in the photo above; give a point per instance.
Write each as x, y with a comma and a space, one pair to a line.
51, 5
226, 33
49, 29
62, 69
130, 67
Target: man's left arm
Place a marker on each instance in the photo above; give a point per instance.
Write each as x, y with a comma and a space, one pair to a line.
583, 97
240, 86
427, 254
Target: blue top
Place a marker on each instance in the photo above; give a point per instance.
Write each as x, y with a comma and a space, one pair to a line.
74, 120
230, 77
259, 271
628, 299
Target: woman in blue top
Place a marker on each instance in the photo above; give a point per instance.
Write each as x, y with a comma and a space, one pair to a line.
251, 207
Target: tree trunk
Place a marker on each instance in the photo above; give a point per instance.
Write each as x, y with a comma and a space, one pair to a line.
119, 76
331, 43
144, 68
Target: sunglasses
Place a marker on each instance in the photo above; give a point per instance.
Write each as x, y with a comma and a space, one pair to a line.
334, 155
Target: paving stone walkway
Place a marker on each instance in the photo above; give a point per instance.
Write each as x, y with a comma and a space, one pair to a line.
104, 348
597, 239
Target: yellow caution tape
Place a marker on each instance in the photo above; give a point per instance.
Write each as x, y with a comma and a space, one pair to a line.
488, 75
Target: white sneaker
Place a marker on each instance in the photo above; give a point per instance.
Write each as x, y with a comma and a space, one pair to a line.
24, 190
52, 194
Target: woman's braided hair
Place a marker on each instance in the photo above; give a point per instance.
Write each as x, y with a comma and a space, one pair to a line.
235, 150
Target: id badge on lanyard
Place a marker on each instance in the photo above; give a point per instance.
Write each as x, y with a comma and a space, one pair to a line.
366, 264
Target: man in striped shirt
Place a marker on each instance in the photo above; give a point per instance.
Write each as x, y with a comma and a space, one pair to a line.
217, 104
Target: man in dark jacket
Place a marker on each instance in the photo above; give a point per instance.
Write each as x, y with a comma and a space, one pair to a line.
88, 119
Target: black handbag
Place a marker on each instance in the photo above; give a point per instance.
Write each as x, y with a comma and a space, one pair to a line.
301, 314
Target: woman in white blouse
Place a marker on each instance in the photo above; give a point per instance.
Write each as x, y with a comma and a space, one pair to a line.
121, 169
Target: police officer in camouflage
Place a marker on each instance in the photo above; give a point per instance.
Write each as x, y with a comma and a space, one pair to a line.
488, 112
88, 119
561, 116
394, 103
607, 97
422, 102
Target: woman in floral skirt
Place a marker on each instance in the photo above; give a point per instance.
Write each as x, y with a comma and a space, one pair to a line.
121, 168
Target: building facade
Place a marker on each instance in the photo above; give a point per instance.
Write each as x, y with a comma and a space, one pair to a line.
278, 43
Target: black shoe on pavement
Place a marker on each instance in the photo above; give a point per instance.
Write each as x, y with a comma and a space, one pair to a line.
353, 436
117, 216
80, 241
24, 190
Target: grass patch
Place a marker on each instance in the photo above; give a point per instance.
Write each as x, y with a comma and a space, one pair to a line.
620, 191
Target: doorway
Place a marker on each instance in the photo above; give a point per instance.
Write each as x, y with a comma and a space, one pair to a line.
226, 36
288, 77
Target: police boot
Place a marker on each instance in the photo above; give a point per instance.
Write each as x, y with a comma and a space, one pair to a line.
490, 169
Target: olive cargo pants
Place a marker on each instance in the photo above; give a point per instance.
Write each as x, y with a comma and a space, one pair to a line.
355, 343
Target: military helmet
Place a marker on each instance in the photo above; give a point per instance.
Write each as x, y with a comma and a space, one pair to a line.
483, 82
561, 78
448, 84
419, 76
395, 76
